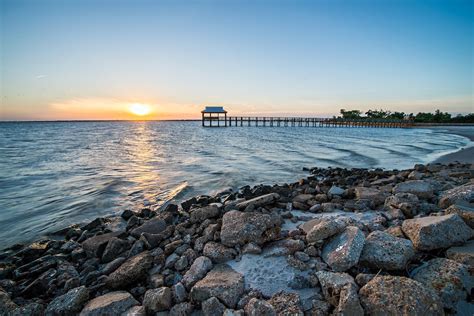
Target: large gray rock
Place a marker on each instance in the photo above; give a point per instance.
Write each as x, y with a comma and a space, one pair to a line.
333, 283
343, 250
464, 211
114, 248
324, 229
221, 282
239, 228
420, 188
349, 303
406, 202
113, 303
70, 303
434, 232
131, 271
445, 277
218, 253
463, 254
197, 271
259, 201
460, 194
153, 226
95, 246
198, 215
393, 295
372, 194
385, 251
157, 300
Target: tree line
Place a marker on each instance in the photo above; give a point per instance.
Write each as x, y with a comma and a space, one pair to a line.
421, 117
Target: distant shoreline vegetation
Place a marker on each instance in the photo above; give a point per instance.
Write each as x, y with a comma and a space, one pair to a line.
420, 117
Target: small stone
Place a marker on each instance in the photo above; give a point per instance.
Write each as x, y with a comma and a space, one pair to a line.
335, 190
259, 201
420, 188
406, 202
212, 307
461, 194
286, 304
465, 212
372, 194
114, 248
181, 309
95, 246
179, 292
135, 311
70, 303
343, 251
332, 284
349, 303
198, 215
197, 271
323, 229
127, 214
153, 226
252, 248
131, 271
156, 300
113, 303
256, 307
434, 232
6, 304
462, 254
181, 264
218, 253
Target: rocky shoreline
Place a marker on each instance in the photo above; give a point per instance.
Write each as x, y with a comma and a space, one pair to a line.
339, 242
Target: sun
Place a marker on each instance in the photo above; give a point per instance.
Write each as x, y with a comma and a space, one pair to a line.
139, 109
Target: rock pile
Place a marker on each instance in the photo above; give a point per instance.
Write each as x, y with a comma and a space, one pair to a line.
362, 242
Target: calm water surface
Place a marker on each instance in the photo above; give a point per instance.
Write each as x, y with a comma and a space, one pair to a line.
53, 174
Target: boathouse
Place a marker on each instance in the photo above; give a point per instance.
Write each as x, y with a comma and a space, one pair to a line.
214, 116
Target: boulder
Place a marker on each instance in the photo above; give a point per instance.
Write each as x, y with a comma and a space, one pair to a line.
95, 246
212, 307
461, 194
256, 307
343, 250
239, 228
198, 215
420, 188
332, 284
218, 253
384, 251
157, 300
323, 229
221, 282
114, 248
131, 271
434, 232
197, 271
464, 211
70, 303
113, 303
6, 304
259, 201
372, 194
335, 190
447, 278
349, 303
406, 202
135, 311
463, 254
394, 295
181, 309
303, 198
153, 226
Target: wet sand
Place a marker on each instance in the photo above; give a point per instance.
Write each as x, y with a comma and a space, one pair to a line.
465, 155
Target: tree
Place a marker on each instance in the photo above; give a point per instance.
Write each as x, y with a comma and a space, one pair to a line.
352, 114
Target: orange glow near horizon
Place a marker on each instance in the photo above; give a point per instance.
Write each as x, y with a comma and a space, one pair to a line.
139, 109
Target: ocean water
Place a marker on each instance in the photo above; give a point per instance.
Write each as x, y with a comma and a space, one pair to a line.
53, 174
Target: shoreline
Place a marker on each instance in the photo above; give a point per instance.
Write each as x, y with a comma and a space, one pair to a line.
332, 241
464, 155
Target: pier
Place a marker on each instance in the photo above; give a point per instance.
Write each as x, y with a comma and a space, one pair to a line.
217, 117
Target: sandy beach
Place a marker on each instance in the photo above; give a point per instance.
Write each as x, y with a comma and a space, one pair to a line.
465, 155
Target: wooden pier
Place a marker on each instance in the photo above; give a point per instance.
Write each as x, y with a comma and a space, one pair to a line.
217, 117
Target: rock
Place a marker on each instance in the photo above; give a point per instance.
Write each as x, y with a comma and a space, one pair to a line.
131, 271
335, 190
259, 201
332, 284
243, 227
153, 226
286, 304
198, 215
212, 307
138, 247
6, 304
114, 248
252, 248
460, 194
465, 212
434, 232
256, 307
324, 229
113, 303
420, 188
463, 254
179, 292
31, 309
218, 253
445, 277
303, 198
372, 194
113, 265
349, 303
156, 300
127, 214
415, 175
399, 296
181, 309
70, 303
135, 311
343, 251
186, 205
222, 282
384, 251
95, 246
406, 202
197, 271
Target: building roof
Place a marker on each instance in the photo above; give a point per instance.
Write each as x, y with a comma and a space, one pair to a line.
214, 109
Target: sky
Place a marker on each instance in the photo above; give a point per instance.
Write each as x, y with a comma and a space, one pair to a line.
82, 59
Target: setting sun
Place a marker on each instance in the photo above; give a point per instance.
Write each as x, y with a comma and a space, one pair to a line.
140, 109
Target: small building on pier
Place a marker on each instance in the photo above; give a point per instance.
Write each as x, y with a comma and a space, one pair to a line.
214, 116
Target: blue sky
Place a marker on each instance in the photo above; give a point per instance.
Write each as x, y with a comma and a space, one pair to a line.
90, 59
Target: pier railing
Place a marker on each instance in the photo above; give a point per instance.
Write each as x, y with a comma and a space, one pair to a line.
242, 121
